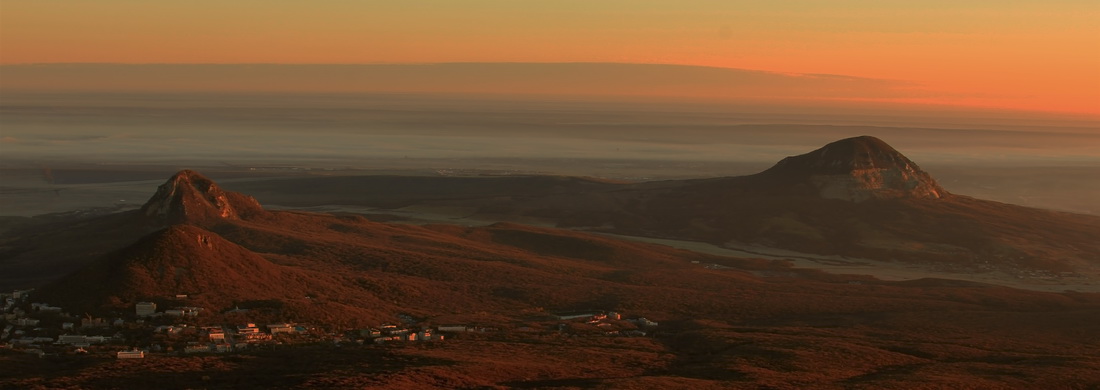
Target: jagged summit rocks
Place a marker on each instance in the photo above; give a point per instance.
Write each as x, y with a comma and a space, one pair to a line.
189, 197
857, 169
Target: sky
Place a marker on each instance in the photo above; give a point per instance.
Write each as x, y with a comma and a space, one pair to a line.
1019, 55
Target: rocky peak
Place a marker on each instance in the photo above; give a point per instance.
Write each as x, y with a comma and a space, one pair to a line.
191, 197
858, 169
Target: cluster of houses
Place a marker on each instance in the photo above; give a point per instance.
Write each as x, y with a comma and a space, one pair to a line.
608, 323
34, 327
214, 339
23, 326
390, 333
22, 329
11, 310
219, 339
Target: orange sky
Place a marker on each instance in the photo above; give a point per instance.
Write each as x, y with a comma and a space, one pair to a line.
1033, 55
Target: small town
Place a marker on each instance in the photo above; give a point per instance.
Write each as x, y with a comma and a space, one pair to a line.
41, 329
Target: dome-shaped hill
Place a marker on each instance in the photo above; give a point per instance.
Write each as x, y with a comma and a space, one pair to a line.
845, 156
857, 169
191, 197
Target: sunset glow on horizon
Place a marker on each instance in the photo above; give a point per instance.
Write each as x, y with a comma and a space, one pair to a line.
1020, 55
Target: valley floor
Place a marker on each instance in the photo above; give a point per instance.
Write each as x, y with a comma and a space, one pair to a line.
884, 270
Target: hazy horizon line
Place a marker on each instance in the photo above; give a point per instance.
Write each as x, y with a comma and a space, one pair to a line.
571, 80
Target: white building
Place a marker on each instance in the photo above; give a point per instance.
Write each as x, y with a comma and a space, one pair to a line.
200, 348
145, 309
45, 308
250, 328
72, 339
573, 316
20, 294
183, 311
280, 328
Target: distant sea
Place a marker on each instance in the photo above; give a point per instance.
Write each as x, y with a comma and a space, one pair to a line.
194, 126
356, 130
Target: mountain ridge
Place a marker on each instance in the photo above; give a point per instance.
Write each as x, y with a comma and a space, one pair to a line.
779, 208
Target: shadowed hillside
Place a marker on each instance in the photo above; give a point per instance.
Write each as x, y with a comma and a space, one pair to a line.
213, 273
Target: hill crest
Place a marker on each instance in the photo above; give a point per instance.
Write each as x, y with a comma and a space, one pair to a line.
858, 169
191, 197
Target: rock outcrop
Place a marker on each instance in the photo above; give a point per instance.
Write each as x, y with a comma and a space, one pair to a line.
189, 197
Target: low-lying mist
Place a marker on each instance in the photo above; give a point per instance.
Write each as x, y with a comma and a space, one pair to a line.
1040, 163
